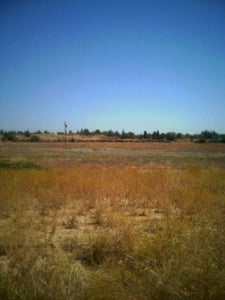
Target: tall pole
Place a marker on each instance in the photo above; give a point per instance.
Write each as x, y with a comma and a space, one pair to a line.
65, 128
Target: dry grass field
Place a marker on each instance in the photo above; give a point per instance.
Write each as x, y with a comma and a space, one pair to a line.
99, 221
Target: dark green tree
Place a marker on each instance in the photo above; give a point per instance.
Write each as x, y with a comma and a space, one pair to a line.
145, 135
27, 133
9, 136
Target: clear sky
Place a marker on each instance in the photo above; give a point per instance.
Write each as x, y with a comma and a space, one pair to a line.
119, 64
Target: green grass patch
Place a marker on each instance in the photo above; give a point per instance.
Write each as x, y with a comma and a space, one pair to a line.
7, 164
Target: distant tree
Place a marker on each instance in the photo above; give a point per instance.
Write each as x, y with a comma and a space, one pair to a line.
117, 134
130, 135
209, 134
27, 133
9, 136
170, 136
110, 133
123, 134
162, 136
179, 135
86, 132
145, 135
38, 132
222, 138
127, 135
156, 135
97, 132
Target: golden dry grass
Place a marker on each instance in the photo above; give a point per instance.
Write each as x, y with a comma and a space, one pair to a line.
112, 232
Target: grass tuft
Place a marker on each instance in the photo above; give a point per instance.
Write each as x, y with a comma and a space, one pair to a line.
112, 233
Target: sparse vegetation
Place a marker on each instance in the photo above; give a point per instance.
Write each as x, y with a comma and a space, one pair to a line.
18, 164
111, 231
9, 136
35, 138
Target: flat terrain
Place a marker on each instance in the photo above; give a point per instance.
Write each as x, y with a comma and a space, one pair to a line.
132, 153
99, 220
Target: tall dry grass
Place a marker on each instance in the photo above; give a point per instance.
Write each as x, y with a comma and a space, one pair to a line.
112, 233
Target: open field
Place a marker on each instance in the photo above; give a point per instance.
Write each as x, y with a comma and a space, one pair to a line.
133, 153
132, 221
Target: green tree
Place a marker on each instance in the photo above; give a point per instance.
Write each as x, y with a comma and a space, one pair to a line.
27, 133
156, 135
110, 133
145, 135
170, 136
86, 132
97, 132
9, 136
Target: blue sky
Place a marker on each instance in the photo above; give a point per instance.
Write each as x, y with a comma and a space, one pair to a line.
132, 65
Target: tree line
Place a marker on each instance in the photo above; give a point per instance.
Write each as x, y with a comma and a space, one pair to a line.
203, 137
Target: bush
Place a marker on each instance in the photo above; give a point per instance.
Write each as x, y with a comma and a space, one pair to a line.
9, 136
171, 136
201, 141
35, 138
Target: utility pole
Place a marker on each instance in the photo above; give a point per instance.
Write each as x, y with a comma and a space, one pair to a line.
65, 126
65, 130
